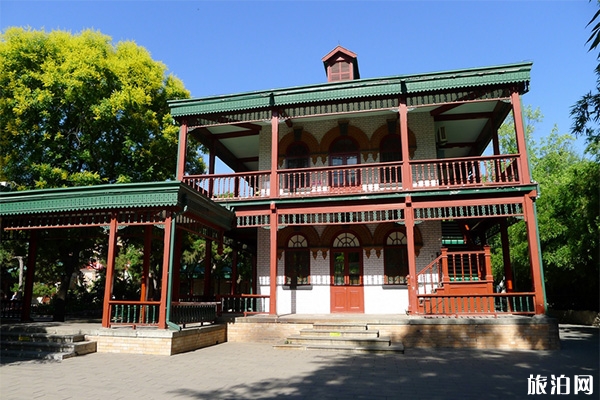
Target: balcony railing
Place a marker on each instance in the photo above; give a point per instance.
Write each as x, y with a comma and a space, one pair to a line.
361, 178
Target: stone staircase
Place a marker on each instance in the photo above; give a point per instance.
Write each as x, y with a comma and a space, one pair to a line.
27, 345
341, 336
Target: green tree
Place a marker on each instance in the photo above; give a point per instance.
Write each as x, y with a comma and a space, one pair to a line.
568, 221
586, 111
76, 109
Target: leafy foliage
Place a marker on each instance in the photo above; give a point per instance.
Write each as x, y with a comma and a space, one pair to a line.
586, 111
78, 110
568, 221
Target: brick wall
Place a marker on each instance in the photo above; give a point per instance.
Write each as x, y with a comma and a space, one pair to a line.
157, 342
517, 334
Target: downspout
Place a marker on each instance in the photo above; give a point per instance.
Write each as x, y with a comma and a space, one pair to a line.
170, 324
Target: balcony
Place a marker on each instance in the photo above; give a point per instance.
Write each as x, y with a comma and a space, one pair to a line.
449, 173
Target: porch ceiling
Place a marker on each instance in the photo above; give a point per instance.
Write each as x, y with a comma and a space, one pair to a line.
468, 130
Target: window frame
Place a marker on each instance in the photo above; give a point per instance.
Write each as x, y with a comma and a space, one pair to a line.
402, 280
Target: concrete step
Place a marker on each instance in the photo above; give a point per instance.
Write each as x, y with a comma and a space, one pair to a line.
40, 337
341, 336
340, 326
37, 345
338, 341
340, 333
396, 348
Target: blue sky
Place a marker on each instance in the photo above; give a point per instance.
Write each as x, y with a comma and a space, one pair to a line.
222, 47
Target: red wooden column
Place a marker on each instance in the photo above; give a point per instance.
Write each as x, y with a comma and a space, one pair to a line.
274, 182
164, 281
146, 264
176, 279
406, 169
207, 270
273, 222
508, 272
110, 270
273, 260
413, 285
535, 258
211, 168
28, 290
234, 271
524, 175
182, 149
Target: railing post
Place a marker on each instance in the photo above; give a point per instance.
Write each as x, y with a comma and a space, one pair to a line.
445, 276
488, 267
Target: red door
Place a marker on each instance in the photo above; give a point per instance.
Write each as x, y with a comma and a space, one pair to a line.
347, 293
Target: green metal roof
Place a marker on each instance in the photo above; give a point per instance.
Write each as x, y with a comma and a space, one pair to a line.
81, 198
356, 89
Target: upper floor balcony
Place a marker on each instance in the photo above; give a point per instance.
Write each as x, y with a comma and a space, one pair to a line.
434, 174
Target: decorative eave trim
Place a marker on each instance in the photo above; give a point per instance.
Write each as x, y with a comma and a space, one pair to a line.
393, 86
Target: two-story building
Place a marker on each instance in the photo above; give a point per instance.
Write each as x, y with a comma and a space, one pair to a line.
374, 195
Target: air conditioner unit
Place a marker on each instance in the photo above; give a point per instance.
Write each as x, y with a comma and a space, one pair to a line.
441, 135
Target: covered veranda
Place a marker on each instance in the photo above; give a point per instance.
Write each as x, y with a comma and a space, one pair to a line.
169, 208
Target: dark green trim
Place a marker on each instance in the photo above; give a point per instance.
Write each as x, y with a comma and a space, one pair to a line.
393, 86
232, 204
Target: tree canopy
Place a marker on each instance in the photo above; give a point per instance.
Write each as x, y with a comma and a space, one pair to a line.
75, 109
586, 111
568, 220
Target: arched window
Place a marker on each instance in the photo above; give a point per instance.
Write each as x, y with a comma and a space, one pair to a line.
395, 258
346, 239
390, 150
344, 151
297, 261
296, 157
346, 262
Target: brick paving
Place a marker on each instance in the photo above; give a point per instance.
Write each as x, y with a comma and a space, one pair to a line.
257, 371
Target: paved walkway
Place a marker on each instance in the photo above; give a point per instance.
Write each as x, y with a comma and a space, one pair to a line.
256, 371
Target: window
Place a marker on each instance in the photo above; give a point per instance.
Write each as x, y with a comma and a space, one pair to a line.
297, 262
390, 150
340, 71
296, 156
344, 151
395, 259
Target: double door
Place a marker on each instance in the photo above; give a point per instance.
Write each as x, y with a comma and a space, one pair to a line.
347, 294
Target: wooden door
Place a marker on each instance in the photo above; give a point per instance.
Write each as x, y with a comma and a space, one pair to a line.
347, 293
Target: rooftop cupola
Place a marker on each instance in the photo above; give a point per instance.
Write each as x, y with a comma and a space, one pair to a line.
341, 65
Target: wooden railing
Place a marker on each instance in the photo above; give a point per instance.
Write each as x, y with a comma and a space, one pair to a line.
11, 308
244, 304
134, 313
183, 313
458, 172
488, 304
448, 267
360, 178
